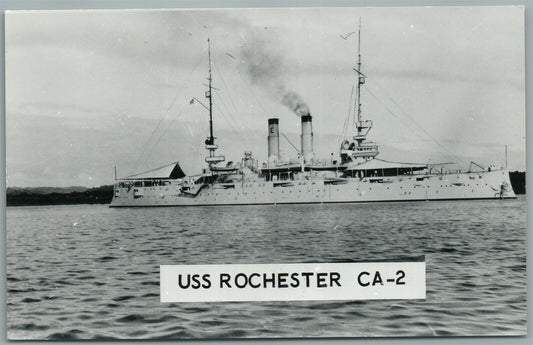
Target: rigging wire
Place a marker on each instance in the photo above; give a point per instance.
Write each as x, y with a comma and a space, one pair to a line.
248, 135
230, 118
168, 126
347, 120
256, 99
226, 114
406, 114
152, 147
219, 109
226, 108
445, 149
226, 88
297, 150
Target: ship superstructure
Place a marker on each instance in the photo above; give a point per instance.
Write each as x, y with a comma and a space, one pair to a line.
357, 176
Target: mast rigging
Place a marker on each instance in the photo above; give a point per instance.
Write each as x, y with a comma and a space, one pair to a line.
209, 95
210, 141
360, 80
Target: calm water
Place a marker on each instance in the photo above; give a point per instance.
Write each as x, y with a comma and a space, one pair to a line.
93, 272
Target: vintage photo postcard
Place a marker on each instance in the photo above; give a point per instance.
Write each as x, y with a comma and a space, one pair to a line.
265, 173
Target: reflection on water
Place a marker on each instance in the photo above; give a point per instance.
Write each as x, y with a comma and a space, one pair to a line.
93, 272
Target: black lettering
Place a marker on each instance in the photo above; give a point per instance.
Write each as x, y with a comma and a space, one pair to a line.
360, 276
282, 280
255, 286
240, 286
224, 279
271, 280
321, 280
295, 280
207, 281
334, 278
377, 279
180, 283
195, 281
307, 275
399, 280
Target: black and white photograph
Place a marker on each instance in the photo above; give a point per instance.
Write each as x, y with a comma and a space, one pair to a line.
265, 173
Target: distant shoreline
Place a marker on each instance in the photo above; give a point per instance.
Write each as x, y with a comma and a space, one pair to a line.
45, 196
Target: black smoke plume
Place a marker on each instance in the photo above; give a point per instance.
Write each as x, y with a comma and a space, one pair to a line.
265, 68
292, 100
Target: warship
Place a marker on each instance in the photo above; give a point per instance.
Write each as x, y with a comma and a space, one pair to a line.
356, 176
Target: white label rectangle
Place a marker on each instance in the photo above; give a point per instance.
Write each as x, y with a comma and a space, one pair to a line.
293, 282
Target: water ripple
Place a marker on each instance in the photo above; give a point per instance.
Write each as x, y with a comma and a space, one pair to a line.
104, 274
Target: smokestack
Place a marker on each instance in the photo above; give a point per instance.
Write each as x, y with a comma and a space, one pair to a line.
307, 138
273, 141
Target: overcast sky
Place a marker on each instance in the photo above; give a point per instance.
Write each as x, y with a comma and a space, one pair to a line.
88, 90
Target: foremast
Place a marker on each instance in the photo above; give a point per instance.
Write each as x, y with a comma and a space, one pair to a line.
358, 149
210, 145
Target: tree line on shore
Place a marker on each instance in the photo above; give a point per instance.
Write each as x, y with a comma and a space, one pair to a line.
58, 196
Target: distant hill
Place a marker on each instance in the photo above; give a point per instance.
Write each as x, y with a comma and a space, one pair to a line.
45, 190
58, 196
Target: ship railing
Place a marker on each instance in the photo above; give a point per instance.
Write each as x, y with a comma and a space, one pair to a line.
428, 171
127, 183
481, 169
324, 162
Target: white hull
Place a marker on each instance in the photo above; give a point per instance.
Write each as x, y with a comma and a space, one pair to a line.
452, 186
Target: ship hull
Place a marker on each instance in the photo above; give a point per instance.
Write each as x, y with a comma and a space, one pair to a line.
459, 186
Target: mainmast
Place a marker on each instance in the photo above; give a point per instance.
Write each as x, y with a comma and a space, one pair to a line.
209, 95
360, 79
210, 141
353, 150
359, 124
